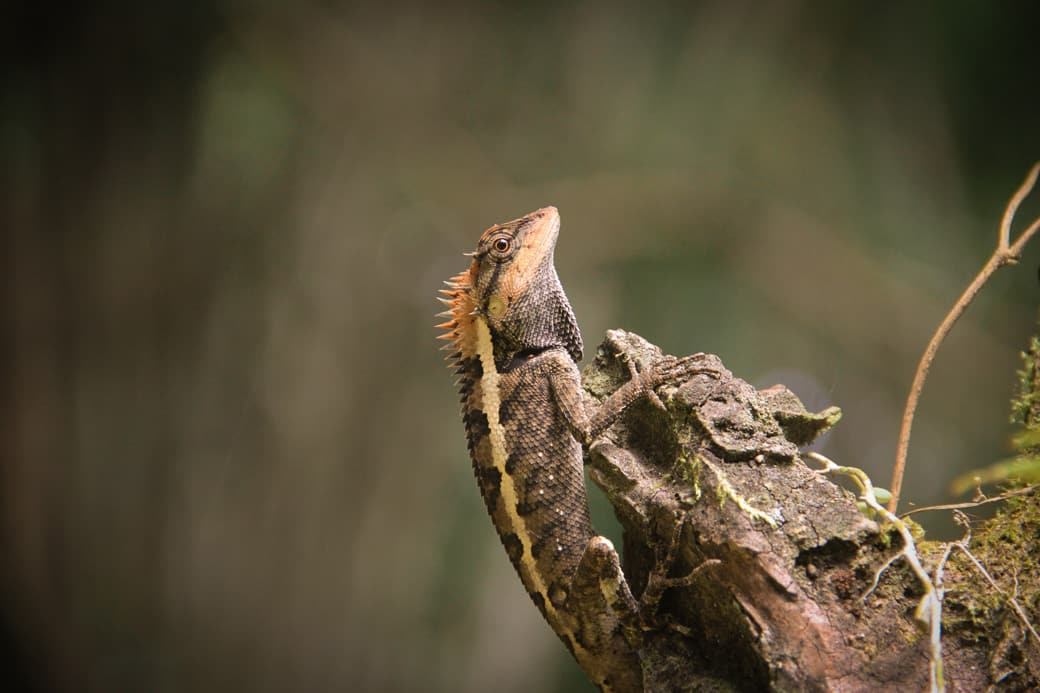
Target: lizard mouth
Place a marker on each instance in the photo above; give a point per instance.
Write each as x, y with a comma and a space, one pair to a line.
542, 226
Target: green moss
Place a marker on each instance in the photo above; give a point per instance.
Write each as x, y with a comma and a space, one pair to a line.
1025, 409
1006, 547
916, 530
688, 471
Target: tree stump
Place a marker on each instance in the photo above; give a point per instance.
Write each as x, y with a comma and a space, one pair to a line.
784, 607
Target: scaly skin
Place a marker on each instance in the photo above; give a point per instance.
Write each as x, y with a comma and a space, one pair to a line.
515, 344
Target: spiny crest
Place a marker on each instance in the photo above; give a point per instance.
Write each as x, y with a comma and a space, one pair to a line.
459, 331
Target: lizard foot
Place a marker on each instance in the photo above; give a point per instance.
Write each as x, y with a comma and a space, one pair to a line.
669, 368
599, 587
658, 581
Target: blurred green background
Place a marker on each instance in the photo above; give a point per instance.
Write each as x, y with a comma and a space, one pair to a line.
232, 456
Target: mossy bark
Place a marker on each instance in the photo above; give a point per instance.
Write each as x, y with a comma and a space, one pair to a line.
783, 609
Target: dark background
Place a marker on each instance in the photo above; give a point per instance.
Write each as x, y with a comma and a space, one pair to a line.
232, 457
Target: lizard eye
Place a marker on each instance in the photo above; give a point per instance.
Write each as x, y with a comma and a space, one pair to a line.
501, 245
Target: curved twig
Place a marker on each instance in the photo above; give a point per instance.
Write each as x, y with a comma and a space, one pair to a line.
973, 504
1005, 254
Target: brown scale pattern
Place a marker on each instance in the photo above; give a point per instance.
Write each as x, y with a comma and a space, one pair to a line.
545, 462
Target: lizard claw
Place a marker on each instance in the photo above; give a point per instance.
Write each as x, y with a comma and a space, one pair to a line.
681, 368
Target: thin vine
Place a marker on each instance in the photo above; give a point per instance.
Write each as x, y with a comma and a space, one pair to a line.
1007, 253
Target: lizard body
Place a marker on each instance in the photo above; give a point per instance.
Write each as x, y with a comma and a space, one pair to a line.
515, 344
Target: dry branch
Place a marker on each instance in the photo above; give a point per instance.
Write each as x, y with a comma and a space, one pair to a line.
1005, 254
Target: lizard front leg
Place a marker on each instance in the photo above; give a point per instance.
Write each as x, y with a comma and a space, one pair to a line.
566, 390
641, 384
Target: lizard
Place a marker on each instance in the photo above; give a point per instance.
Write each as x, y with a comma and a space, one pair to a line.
514, 342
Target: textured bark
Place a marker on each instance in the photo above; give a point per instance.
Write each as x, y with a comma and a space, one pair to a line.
783, 608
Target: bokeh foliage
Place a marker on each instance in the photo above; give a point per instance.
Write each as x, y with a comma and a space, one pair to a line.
232, 455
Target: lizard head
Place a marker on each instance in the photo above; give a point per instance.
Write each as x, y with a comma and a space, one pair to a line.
512, 284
